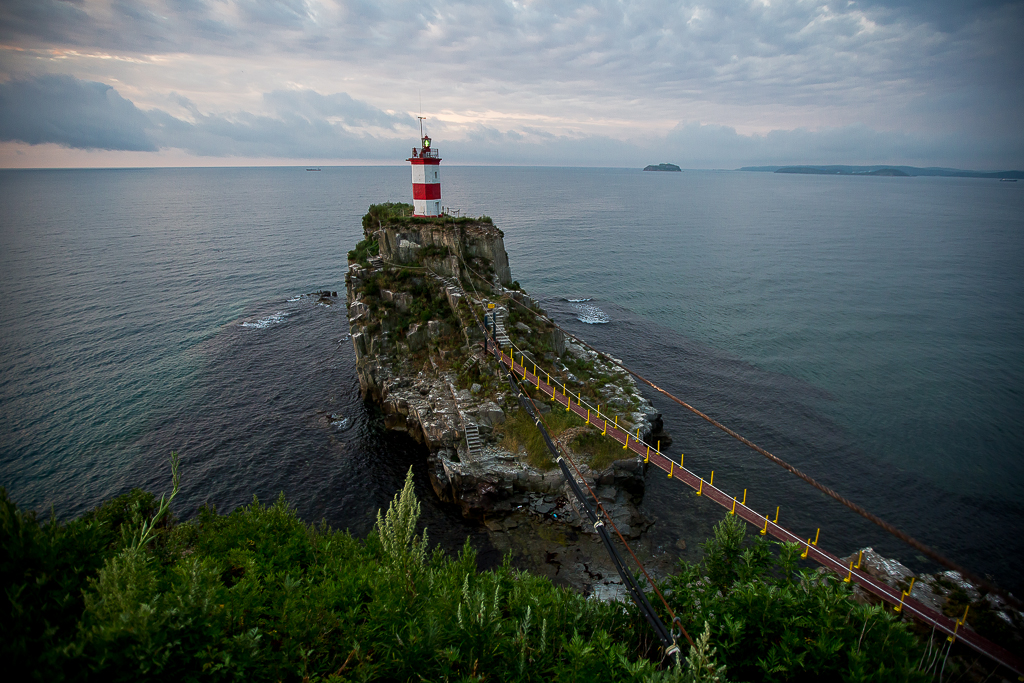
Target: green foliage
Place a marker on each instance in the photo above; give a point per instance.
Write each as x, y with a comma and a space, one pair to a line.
520, 432
771, 621
396, 530
601, 450
380, 214
259, 595
432, 251
363, 251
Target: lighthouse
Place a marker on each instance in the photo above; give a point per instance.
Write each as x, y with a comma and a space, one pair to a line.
426, 178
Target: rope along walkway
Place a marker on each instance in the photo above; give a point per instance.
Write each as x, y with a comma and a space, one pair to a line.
853, 573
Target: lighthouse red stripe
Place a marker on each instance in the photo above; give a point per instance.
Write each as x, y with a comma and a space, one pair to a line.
426, 191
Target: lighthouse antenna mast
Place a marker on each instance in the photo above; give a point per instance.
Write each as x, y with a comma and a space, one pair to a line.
421, 125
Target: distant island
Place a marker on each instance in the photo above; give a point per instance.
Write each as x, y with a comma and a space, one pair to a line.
818, 170
902, 171
663, 167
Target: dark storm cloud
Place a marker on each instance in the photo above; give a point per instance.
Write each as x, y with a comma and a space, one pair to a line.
72, 113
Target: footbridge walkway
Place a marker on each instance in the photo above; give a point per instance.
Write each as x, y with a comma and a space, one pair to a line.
531, 374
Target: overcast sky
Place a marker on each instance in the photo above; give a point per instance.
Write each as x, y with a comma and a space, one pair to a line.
710, 84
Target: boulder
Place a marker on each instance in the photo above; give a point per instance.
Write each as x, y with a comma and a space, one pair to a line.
403, 300
490, 414
407, 251
359, 344
416, 336
558, 341
438, 328
356, 309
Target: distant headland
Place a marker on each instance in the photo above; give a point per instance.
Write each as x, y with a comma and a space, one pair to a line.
663, 167
903, 171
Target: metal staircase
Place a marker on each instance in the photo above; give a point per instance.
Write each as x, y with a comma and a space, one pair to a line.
473, 443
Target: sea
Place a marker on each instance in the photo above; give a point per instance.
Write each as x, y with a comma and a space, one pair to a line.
868, 330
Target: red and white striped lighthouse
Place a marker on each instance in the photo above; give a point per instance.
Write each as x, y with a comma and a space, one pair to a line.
426, 178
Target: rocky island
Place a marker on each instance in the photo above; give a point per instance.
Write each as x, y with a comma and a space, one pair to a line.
662, 167
417, 291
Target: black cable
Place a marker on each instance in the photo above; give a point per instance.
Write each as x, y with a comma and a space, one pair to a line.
636, 593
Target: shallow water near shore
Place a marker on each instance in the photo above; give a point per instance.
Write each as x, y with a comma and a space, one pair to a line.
868, 330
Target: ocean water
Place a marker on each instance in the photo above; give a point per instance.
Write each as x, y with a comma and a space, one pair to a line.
868, 330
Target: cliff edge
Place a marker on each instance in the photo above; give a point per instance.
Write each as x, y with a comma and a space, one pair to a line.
417, 290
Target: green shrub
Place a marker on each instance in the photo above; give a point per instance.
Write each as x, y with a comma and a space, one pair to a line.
772, 621
259, 595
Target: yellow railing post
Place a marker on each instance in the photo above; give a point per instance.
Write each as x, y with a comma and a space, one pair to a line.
626, 445
588, 415
776, 520
850, 575
807, 549
765, 529
744, 497
568, 404
671, 469
605, 430
712, 480
958, 624
816, 534
859, 558
700, 490
647, 457
906, 594
733, 511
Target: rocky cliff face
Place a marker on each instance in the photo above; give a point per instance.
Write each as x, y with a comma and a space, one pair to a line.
416, 289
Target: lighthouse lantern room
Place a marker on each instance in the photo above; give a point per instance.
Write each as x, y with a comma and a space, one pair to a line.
426, 178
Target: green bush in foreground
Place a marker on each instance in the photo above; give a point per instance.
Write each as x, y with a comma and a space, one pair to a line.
259, 595
771, 621
125, 593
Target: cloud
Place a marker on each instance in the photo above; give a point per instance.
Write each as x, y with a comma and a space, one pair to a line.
303, 123
584, 73
311, 105
72, 113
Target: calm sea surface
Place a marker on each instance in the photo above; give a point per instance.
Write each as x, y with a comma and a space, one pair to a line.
868, 330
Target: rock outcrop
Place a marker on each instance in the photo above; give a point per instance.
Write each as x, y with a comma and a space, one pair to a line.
417, 289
